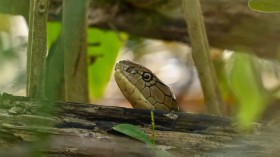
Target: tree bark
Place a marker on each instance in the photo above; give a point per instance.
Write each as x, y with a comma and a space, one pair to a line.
74, 129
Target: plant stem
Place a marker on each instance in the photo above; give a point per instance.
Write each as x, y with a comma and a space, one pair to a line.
153, 127
37, 48
200, 53
74, 34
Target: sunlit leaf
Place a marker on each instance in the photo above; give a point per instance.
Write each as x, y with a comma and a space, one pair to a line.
246, 86
269, 6
133, 131
103, 50
53, 30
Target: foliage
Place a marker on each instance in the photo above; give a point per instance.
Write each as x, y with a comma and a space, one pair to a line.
53, 29
268, 6
133, 131
247, 87
103, 50
137, 133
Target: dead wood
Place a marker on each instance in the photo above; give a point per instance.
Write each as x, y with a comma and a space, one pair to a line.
229, 24
74, 129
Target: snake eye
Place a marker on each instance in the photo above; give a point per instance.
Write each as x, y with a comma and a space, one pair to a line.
147, 76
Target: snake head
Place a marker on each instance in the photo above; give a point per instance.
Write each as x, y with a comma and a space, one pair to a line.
142, 88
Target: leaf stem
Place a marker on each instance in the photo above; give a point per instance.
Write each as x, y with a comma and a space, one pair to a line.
153, 127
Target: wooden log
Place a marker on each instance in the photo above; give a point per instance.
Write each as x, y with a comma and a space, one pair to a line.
74, 129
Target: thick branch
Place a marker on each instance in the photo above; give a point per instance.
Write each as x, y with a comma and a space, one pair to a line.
229, 24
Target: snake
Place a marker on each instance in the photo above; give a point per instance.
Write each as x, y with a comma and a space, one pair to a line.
142, 88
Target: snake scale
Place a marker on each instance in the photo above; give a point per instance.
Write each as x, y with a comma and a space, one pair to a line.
142, 88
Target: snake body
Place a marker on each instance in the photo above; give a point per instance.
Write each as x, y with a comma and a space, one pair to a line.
142, 88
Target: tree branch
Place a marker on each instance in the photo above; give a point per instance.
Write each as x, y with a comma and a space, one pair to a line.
229, 24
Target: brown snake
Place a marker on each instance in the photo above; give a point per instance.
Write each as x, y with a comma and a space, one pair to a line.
142, 88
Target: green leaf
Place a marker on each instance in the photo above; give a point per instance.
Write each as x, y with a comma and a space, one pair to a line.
247, 87
268, 6
103, 50
53, 30
133, 131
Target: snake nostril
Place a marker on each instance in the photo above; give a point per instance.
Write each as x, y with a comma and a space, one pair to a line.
117, 66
